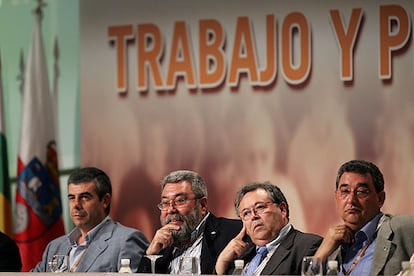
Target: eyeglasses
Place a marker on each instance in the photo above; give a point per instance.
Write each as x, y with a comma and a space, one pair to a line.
178, 202
359, 193
258, 209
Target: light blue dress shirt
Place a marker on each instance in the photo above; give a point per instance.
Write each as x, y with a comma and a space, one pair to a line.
366, 236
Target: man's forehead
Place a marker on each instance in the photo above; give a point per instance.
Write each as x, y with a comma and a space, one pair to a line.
175, 188
362, 179
359, 184
356, 175
253, 197
82, 187
174, 195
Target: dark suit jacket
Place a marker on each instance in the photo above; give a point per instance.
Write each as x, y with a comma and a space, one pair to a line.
9, 254
217, 233
287, 258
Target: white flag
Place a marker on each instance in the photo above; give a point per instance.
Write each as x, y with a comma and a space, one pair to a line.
38, 216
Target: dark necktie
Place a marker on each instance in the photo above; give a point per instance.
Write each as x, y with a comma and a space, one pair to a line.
260, 255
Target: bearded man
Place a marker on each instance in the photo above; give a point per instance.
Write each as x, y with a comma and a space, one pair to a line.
188, 228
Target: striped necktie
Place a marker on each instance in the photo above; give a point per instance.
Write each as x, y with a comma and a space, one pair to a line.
260, 255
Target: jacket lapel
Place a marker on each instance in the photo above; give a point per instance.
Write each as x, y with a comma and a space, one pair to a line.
210, 235
280, 254
96, 247
382, 247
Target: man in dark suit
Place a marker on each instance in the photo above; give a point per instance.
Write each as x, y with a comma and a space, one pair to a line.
265, 214
188, 228
9, 254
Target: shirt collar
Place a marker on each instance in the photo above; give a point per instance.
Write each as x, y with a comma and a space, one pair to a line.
370, 228
199, 229
282, 233
75, 233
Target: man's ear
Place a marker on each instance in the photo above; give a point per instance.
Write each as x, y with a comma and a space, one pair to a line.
381, 198
204, 203
106, 200
283, 207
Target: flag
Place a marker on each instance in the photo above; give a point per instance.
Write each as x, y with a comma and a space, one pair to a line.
5, 203
38, 212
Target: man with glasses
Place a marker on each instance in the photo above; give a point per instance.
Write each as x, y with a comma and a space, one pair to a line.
188, 228
368, 242
278, 247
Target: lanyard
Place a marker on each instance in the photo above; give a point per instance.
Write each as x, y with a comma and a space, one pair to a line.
356, 260
76, 264
364, 249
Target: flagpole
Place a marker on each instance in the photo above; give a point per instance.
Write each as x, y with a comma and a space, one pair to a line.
39, 8
54, 95
55, 82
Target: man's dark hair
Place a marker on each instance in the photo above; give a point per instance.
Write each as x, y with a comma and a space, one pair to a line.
275, 194
91, 174
362, 167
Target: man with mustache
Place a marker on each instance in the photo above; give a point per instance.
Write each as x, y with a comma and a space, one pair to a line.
368, 242
188, 227
277, 246
97, 243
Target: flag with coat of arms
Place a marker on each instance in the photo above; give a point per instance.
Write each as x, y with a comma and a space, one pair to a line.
38, 212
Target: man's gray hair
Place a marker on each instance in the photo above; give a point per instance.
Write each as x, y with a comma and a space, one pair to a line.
197, 182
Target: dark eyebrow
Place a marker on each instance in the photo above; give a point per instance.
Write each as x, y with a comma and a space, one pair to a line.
179, 194
245, 209
359, 185
259, 202
81, 194
364, 185
85, 193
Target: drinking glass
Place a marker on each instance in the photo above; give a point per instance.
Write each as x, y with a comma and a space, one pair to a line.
189, 265
59, 263
311, 266
152, 258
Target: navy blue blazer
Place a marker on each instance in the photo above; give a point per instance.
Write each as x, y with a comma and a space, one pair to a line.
217, 233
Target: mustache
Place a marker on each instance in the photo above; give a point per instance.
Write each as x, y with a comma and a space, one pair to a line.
172, 217
352, 208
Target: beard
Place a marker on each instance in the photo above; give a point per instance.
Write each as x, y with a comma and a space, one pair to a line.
189, 224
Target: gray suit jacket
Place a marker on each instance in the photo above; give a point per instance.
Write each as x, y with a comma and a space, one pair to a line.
111, 243
394, 244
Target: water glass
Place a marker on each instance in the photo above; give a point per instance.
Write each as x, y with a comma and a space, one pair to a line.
189, 265
59, 263
311, 266
153, 259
